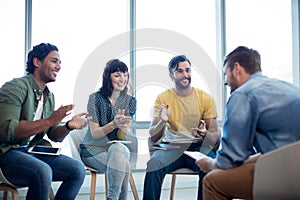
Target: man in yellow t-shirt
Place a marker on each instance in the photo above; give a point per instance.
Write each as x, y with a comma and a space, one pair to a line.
180, 109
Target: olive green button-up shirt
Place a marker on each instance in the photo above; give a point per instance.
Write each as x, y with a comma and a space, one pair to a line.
18, 101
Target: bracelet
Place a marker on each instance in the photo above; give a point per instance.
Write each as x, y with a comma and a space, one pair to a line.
68, 127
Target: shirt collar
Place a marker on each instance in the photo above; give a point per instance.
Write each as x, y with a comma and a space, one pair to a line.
36, 88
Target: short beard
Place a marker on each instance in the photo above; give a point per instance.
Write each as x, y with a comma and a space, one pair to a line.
180, 86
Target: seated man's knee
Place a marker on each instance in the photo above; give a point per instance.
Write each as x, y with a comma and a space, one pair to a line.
80, 170
42, 174
154, 164
209, 179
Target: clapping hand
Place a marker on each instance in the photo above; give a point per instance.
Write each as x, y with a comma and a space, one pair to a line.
122, 122
79, 121
58, 115
164, 112
201, 131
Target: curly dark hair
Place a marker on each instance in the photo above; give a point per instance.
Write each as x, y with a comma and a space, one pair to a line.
40, 52
113, 65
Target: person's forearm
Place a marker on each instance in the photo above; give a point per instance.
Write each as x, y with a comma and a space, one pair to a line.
29, 128
156, 131
211, 138
100, 132
59, 134
212, 135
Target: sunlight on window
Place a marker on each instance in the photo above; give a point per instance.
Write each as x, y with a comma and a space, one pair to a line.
265, 26
77, 30
12, 39
153, 78
195, 20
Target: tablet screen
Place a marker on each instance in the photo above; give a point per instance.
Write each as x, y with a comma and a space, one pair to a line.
44, 150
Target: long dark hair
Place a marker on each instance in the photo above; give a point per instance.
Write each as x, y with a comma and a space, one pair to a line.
113, 65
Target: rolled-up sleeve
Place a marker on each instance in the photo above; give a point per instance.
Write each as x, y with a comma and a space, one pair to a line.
10, 106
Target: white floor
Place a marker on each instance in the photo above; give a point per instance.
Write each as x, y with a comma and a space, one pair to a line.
186, 188
180, 194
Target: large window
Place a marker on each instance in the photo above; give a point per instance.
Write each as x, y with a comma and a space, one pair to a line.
89, 33
82, 31
265, 25
12, 39
169, 28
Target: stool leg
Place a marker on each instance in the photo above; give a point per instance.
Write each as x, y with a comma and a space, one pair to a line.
15, 194
133, 187
106, 185
51, 194
93, 185
172, 186
5, 195
9, 188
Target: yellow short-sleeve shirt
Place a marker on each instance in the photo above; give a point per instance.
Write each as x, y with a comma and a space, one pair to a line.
186, 112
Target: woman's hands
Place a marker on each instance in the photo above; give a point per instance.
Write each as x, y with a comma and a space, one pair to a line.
122, 122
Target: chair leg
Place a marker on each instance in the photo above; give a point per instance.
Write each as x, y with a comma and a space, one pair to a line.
133, 187
14, 192
106, 185
5, 195
51, 194
9, 188
15, 195
93, 185
172, 186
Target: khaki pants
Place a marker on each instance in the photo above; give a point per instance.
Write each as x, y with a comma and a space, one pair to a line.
230, 183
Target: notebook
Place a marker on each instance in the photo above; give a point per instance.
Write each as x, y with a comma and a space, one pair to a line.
194, 154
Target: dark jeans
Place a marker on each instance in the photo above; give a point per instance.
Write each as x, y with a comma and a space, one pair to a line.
38, 171
163, 162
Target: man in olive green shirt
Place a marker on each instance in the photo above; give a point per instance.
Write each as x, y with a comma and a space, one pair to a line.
27, 114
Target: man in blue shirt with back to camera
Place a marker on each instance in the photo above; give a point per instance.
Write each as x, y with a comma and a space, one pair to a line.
255, 121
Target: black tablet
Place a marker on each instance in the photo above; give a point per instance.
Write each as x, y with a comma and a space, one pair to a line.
46, 150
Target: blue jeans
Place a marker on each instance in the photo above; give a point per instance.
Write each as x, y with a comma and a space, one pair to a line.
38, 171
115, 162
163, 162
